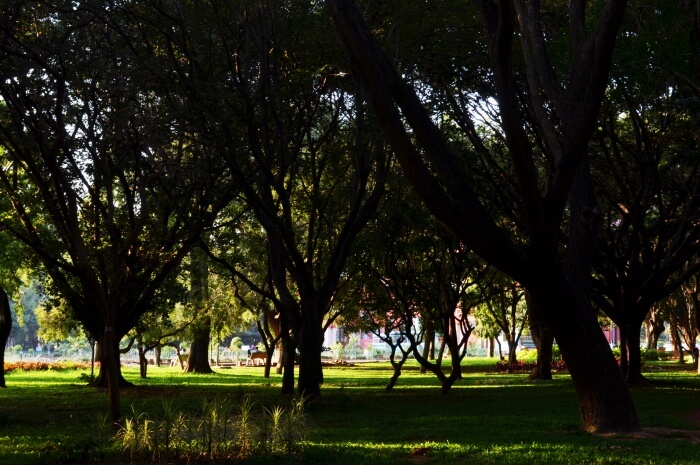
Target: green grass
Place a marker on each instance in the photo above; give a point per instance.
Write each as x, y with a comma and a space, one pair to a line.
488, 418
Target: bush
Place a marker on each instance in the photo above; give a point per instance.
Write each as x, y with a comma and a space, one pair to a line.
44, 366
523, 366
650, 354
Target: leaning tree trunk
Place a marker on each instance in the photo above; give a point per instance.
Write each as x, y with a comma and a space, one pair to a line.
198, 361
5, 328
605, 402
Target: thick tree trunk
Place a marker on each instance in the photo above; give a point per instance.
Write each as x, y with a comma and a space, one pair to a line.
110, 362
157, 352
310, 368
5, 328
492, 348
543, 339
101, 381
198, 361
544, 357
624, 357
605, 402
634, 353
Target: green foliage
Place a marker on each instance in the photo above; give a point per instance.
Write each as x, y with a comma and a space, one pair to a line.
650, 355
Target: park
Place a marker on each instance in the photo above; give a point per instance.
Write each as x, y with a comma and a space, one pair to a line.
317, 232
491, 417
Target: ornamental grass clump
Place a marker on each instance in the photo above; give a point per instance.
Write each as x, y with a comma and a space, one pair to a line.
220, 430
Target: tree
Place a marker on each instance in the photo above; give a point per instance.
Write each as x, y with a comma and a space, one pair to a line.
295, 139
546, 125
418, 270
109, 188
506, 310
650, 193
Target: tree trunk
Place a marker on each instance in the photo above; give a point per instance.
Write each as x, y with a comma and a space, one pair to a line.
143, 361
543, 339
290, 348
544, 356
157, 352
512, 351
5, 328
101, 381
605, 402
310, 369
110, 362
198, 361
280, 355
634, 353
492, 348
429, 346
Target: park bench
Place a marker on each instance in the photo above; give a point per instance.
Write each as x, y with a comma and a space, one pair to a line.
254, 357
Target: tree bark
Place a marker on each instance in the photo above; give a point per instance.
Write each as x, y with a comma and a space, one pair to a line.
5, 328
605, 402
429, 344
543, 339
198, 360
310, 368
101, 381
289, 343
110, 362
633, 352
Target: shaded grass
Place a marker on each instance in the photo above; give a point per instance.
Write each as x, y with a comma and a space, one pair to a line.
488, 418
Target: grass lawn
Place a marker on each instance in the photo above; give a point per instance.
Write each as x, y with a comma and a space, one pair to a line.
488, 418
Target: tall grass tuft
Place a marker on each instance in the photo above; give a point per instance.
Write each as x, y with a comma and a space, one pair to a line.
219, 431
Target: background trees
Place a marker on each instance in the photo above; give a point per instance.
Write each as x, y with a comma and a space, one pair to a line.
295, 138
109, 188
133, 131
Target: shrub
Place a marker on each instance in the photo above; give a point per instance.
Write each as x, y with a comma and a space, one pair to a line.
44, 366
524, 366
